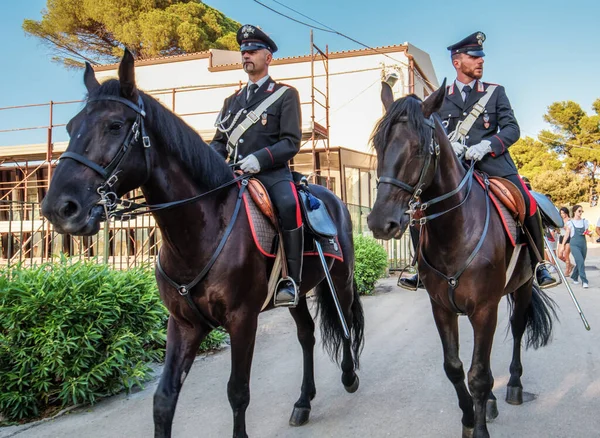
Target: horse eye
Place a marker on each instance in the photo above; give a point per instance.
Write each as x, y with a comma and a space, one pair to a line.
116, 126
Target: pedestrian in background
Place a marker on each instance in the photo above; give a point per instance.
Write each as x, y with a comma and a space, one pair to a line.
578, 232
564, 242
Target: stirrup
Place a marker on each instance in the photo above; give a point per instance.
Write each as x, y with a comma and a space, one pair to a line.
547, 265
292, 303
404, 286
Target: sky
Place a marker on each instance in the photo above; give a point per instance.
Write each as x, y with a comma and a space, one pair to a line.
540, 51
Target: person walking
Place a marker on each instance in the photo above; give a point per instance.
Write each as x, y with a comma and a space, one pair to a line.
564, 242
578, 231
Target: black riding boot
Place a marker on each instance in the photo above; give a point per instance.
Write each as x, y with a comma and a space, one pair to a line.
412, 282
534, 226
288, 288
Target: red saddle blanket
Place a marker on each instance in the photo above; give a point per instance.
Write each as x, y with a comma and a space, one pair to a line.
265, 234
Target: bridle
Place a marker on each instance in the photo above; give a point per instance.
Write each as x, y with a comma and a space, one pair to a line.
109, 173
432, 159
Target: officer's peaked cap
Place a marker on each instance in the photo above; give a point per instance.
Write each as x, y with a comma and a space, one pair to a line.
471, 45
252, 38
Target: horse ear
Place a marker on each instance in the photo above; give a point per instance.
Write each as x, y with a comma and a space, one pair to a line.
387, 95
89, 78
127, 75
434, 102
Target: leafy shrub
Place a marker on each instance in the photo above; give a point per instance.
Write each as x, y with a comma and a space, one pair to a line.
371, 263
74, 332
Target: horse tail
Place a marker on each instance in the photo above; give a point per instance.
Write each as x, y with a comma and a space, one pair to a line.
540, 315
332, 333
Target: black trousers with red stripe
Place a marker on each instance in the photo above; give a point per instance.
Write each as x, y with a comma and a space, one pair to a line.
285, 199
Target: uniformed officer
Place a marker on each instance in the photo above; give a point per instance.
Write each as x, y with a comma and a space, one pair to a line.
492, 133
267, 145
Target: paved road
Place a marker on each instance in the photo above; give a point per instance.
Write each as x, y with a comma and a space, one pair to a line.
404, 391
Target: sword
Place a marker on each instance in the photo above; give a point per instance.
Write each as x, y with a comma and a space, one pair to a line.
332, 289
560, 272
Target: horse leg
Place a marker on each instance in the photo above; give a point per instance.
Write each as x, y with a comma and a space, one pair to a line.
243, 336
306, 335
447, 325
182, 346
480, 375
518, 324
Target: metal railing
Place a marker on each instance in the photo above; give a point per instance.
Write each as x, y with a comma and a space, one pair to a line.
399, 250
27, 238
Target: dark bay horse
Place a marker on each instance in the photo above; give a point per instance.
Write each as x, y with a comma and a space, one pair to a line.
464, 251
170, 162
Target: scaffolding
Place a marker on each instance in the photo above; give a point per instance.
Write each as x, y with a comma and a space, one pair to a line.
319, 133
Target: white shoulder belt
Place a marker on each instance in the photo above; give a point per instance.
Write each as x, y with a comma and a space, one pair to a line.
463, 127
251, 118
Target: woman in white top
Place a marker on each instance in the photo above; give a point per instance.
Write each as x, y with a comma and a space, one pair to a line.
564, 242
578, 231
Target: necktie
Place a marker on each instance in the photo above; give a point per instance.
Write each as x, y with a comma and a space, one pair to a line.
251, 90
467, 90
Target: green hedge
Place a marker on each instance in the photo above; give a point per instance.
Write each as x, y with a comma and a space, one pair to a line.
74, 332
371, 263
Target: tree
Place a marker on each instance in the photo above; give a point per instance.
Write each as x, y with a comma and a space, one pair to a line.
533, 157
563, 185
575, 136
97, 30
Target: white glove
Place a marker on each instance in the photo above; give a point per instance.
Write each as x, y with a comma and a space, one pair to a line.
249, 164
479, 151
458, 148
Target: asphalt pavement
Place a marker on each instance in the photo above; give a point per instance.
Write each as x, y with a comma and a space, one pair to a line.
403, 389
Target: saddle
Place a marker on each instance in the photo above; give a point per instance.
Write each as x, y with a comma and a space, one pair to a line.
510, 196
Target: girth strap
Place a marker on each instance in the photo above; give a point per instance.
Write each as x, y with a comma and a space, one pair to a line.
184, 289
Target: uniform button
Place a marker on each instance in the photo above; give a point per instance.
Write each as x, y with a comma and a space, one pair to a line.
240, 156
241, 140
467, 136
464, 114
245, 111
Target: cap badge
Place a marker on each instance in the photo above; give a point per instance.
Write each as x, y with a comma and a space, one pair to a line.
480, 38
247, 30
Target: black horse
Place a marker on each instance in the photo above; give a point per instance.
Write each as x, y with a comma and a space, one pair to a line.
464, 252
170, 162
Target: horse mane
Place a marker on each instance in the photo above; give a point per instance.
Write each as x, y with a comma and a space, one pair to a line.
410, 107
205, 166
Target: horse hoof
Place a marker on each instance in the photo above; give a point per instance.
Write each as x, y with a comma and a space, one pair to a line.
467, 432
514, 395
299, 416
491, 410
354, 387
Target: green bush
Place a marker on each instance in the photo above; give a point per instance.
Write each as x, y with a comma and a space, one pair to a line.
371, 263
74, 332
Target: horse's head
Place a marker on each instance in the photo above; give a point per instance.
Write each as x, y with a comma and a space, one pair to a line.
407, 154
106, 154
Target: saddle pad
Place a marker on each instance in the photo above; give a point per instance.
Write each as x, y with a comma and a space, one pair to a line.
265, 235
509, 223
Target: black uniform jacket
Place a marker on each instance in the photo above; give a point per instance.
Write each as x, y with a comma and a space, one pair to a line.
274, 139
496, 124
